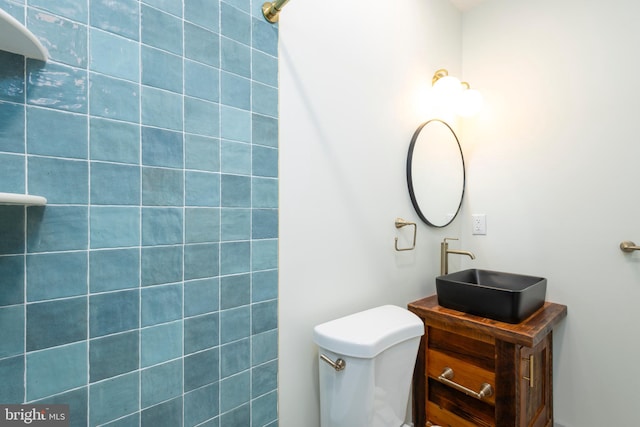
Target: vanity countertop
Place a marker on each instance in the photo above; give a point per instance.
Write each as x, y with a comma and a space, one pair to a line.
528, 332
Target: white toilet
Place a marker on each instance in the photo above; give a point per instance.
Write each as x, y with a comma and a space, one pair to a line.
366, 365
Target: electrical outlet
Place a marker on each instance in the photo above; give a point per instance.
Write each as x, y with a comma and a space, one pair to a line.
479, 224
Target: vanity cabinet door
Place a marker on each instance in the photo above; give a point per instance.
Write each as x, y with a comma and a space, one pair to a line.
535, 385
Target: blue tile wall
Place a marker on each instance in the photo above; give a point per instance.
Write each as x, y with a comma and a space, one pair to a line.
145, 293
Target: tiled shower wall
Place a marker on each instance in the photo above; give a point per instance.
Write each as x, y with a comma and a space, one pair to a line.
145, 292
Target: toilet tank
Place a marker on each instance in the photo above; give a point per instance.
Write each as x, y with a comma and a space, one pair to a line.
379, 347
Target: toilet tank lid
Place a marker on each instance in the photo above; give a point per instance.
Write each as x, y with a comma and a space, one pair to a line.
368, 333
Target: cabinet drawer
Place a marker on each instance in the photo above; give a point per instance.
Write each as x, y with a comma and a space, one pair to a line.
465, 374
437, 416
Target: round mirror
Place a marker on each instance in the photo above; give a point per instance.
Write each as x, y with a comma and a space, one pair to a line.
435, 173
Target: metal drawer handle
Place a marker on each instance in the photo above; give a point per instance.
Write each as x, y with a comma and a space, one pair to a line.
338, 365
485, 389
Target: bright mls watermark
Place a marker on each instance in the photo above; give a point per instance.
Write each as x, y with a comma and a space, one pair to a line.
34, 415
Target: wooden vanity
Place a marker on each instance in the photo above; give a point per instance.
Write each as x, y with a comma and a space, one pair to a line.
513, 361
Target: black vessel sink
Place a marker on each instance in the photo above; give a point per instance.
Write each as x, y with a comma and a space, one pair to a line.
496, 295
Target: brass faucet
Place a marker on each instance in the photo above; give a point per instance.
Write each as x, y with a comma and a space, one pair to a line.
444, 255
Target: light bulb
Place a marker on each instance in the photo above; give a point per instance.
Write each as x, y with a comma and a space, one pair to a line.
447, 91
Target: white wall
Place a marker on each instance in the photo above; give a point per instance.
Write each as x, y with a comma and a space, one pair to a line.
553, 162
350, 76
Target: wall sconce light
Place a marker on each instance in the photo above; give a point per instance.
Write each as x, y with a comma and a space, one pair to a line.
454, 95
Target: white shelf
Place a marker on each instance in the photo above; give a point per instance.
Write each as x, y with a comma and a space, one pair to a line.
16, 38
22, 199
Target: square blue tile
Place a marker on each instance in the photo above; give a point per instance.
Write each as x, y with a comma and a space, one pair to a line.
56, 133
132, 420
162, 187
78, 401
114, 398
201, 296
11, 123
160, 343
201, 369
202, 189
235, 224
235, 324
201, 333
244, 5
12, 374
114, 269
57, 228
113, 312
114, 56
201, 260
265, 161
235, 391
56, 275
202, 153
236, 191
162, 226
115, 184
235, 291
264, 410
114, 141
12, 229
264, 224
161, 382
235, 24
114, 98
12, 319
264, 347
240, 416
235, 257
264, 130
201, 117
202, 225
65, 40
173, 7
120, 17
57, 86
264, 193
235, 57
201, 81
161, 264
161, 30
264, 285
235, 357
56, 370
204, 13
201, 45
113, 355
235, 124
115, 227
161, 69
12, 273
14, 8
264, 36
161, 304
162, 147
201, 404
264, 254
235, 157
161, 108
55, 323
13, 171
59, 180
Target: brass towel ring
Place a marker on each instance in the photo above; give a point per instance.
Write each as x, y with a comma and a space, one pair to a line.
401, 223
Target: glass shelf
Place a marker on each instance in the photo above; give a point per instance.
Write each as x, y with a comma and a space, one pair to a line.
16, 38
22, 199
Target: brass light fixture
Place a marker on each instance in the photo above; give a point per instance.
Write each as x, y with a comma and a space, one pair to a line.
271, 10
456, 94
